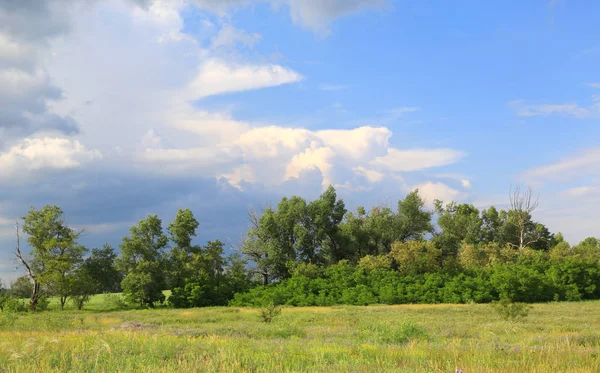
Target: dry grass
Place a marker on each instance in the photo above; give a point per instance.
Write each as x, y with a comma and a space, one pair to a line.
562, 337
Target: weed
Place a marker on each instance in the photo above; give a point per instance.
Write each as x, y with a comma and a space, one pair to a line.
269, 312
510, 310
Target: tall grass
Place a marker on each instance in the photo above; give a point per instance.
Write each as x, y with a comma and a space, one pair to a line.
410, 338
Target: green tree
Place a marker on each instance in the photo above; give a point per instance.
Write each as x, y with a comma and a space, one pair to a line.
101, 269
83, 286
21, 287
143, 262
413, 222
459, 223
326, 214
182, 231
55, 255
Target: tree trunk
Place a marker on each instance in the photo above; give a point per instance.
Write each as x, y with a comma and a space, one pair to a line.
35, 296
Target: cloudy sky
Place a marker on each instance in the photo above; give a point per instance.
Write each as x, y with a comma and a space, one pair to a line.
120, 108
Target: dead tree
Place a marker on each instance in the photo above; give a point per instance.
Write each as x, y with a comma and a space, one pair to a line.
254, 247
35, 294
522, 205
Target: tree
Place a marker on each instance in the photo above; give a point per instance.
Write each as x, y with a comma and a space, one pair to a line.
414, 257
257, 245
326, 214
142, 261
459, 223
83, 286
55, 255
519, 216
100, 268
21, 287
182, 230
413, 222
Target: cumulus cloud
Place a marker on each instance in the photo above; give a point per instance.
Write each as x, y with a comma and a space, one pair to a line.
43, 154
431, 191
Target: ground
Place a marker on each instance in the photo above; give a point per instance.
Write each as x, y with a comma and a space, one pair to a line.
555, 337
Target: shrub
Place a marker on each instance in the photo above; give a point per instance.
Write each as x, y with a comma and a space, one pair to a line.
113, 302
403, 333
12, 305
43, 303
510, 310
269, 312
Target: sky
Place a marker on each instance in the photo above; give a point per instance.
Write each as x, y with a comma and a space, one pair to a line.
117, 109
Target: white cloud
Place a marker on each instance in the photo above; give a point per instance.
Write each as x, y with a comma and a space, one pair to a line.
583, 164
371, 175
315, 157
416, 159
41, 154
579, 191
361, 143
570, 110
431, 191
218, 77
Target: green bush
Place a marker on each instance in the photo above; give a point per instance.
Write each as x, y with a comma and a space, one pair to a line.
113, 302
269, 312
402, 333
12, 305
511, 311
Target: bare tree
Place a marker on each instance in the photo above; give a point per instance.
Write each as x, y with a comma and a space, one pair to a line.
254, 246
35, 294
522, 204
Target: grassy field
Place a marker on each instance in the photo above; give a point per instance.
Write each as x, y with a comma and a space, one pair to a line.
557, 337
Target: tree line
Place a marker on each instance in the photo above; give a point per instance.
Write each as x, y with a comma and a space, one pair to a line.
317, 253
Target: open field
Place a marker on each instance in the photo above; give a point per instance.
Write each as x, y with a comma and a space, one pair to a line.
556, 337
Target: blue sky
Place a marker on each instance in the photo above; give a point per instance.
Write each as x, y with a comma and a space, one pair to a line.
118, 109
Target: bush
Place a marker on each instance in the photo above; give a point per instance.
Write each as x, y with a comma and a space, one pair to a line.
113, 302
12, 305
269, 312
8, 319
511, 311
400, 334
43, 303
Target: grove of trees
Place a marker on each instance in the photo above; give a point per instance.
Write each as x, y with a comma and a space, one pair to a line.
316, 253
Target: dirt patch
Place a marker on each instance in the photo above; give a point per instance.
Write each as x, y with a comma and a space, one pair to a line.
190, 333
134, 325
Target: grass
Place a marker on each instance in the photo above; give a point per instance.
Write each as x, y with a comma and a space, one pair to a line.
562, 337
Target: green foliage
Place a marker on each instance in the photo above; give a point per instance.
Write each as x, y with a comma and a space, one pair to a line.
143, 262
21, 287
511, 311
401, 333
56, 255
269, 312
13, 305
113, 302
102, 271
43, 303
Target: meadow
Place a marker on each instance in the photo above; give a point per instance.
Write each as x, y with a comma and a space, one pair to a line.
562, 337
